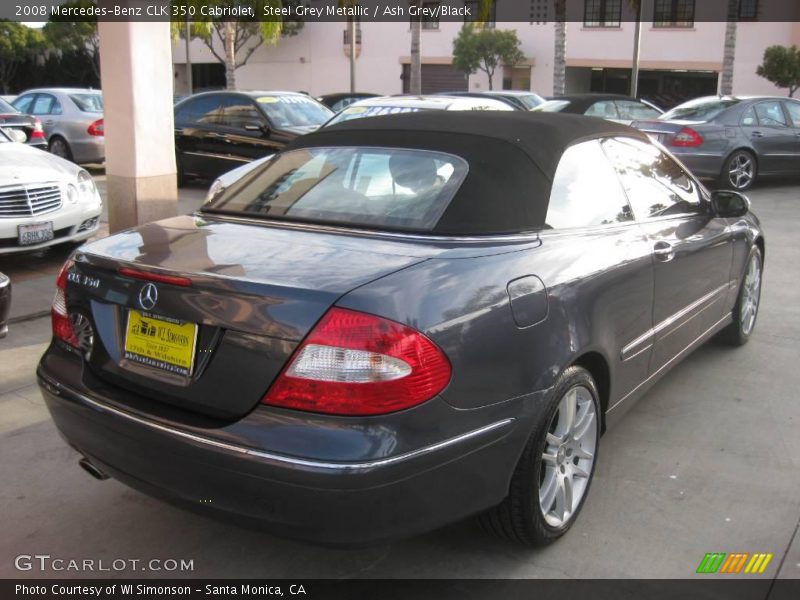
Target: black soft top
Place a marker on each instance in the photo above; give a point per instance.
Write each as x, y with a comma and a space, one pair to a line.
512, 158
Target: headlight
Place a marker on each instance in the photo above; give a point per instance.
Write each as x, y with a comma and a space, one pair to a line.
215, 190
86, 189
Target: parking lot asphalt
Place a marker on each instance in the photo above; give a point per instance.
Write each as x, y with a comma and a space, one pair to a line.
707, 461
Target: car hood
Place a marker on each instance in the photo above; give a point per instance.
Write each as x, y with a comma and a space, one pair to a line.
21, 163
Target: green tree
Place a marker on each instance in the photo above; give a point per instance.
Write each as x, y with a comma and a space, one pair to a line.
79, 37
781, 66
238, 39
485, 49
18, 43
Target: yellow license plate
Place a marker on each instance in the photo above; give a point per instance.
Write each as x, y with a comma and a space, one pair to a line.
161, 343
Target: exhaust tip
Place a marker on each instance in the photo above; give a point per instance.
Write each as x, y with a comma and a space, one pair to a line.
91, 469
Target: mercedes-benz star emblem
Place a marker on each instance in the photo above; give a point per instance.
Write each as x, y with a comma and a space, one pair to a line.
148, 296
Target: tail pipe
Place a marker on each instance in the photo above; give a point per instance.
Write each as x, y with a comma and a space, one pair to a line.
92, 469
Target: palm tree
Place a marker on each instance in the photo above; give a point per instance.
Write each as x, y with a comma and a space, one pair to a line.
560, 50
415, 74
726, 79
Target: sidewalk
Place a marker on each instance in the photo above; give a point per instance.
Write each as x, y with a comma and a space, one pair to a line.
33, 273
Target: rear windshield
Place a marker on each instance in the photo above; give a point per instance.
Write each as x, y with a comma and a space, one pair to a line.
6, 108
377, 188
530, 100
552, 106
88, 102
358, 112
294, 111
703, 109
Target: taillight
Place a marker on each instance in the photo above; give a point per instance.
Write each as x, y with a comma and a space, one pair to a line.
686, 137
38, 132
96, 128
62, 327
353, 363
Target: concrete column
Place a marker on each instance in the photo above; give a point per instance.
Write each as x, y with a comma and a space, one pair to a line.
136, 70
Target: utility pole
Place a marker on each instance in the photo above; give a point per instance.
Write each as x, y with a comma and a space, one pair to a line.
637, 31
188, 58
352, 55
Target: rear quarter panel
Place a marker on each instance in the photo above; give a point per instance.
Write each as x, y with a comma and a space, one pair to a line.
598, 296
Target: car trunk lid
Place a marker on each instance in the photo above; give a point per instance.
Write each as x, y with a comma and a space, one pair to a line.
247, 293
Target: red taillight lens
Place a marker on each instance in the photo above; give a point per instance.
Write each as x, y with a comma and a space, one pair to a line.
145, 276
62, 327
38, 132
96, 128
354, 363
686, 137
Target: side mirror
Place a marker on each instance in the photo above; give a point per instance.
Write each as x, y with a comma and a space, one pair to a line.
263, 128
729, 204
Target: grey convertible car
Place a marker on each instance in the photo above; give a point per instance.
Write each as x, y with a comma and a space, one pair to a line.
399, 322
733, 140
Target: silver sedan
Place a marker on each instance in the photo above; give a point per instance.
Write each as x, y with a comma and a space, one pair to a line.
72, 119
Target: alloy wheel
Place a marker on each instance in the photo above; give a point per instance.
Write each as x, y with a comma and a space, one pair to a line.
740, 171
568, 456
751, 294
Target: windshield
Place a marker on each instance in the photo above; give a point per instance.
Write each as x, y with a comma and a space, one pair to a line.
553, 106
381, 188
530, 100
358, 112
6, 108
702, 109
88, 102
294, 111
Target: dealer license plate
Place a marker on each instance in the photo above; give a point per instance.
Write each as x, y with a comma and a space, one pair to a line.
35, 233
160, 342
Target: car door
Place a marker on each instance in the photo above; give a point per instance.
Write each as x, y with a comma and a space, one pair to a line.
48, 109
771, 137
691, 249
195, 121
601, 272
244, 131
793, 110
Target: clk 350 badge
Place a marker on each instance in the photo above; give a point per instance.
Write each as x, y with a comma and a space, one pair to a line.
80, 279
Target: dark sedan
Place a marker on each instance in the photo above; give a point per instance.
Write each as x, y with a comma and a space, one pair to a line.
5, 303
29, 128
733, 140
218, 131
620, 109
399, 322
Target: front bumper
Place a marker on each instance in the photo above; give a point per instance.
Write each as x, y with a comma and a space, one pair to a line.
333, 502
70, 224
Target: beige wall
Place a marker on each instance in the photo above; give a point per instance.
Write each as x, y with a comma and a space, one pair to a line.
314, 60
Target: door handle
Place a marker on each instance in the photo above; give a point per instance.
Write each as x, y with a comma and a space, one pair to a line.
49, 122
757, 134
663, 251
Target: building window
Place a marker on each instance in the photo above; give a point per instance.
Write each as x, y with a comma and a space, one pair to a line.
602, 13
474, 7
748, 10
674, 13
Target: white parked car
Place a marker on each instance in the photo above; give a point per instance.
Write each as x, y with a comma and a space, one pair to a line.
44, 199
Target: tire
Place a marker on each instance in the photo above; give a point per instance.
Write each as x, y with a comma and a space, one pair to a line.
520, 517
745, 312
739, 171
60, 147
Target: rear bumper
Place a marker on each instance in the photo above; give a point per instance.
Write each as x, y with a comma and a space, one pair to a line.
329, 502
90, 149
